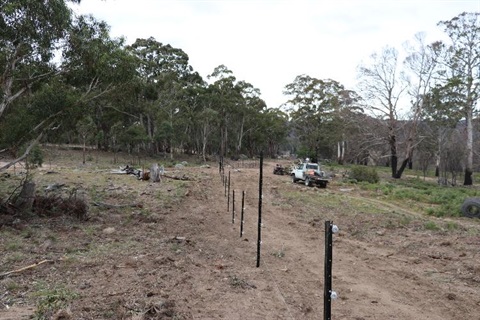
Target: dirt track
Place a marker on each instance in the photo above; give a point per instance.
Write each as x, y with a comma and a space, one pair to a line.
386, 265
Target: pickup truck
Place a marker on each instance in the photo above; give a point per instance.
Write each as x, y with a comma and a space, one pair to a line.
310, 174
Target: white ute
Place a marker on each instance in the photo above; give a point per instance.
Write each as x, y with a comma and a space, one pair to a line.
310, 174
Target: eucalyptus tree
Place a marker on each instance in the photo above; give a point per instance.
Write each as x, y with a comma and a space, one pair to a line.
101, 71
227, 97
30, 34
462, 74
315, 109
86, 129
382, 87
249, 106
164, 72
421, 69
273, 129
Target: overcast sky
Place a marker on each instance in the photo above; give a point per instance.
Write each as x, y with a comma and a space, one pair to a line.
267, 43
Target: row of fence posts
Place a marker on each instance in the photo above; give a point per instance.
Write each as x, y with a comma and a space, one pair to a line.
330, 229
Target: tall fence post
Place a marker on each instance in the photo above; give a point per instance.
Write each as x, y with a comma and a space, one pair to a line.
260, 185
228, 193
329, 294
233, 206
241, 215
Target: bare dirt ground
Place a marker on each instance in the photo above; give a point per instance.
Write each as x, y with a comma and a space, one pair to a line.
177, 254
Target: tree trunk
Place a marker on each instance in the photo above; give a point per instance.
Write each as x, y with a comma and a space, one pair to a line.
84, 149
340, 152
240, 137
468, 181
399, 173
393, 155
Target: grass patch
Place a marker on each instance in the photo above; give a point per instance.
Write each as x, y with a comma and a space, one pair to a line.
236, 282
50, 300
430, 225
280, 253
432, 199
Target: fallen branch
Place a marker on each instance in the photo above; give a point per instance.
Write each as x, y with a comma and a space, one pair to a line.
26, 268
116, 206
184, 178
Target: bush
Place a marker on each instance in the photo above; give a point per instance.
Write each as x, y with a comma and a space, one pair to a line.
365, 174
36, 156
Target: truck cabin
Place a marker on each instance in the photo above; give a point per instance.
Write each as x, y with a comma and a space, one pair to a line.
309, 168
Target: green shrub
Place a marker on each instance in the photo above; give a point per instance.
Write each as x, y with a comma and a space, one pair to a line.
430, 225
51, 300
365, 174
36, 156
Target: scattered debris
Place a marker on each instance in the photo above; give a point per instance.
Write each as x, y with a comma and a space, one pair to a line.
54, 186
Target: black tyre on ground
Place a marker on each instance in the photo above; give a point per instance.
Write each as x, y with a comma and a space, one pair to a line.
293, 178
322, 185
307, 182
471, 208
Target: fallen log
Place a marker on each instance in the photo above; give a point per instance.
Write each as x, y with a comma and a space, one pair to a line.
183, 178
116, 206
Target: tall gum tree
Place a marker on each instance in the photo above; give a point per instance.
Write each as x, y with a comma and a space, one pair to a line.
316, 107
30, 33
463, 64
164, 73
381, 85
420, 67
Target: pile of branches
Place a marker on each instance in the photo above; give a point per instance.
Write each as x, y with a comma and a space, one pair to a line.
54, 206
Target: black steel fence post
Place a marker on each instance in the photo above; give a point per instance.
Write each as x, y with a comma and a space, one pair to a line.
228, 197
327, 299
233, 206
260, 184
329, 294
241, 215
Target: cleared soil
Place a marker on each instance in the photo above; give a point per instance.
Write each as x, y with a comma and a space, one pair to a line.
173, 252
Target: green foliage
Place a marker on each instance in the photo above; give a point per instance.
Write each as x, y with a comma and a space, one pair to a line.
280, 253
36, 156
364, 174
317, 113
50, 300
430, 225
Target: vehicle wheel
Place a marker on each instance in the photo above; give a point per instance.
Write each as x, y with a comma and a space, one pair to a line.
471, 208
322, 185
307, 182
293, 178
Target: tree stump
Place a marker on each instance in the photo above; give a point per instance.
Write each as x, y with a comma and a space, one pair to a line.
25, 199
155, 173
